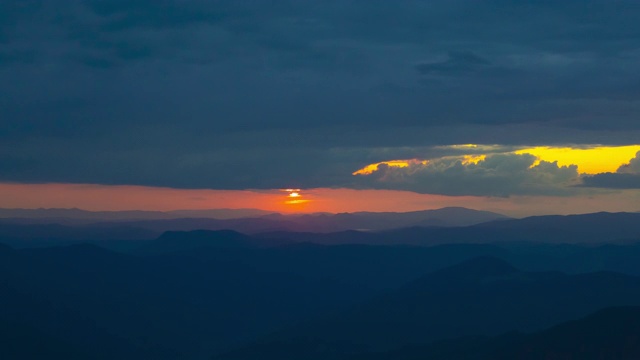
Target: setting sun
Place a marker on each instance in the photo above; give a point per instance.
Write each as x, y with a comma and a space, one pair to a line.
294, 197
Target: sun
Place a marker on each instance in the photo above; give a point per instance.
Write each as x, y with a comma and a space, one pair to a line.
294, 197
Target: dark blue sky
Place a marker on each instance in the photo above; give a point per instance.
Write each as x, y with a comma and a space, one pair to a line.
269, 94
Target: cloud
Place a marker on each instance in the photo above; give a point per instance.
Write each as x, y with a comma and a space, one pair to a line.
457, 62
497, 175
126, 14
613, 181
626, 177
633, 167
16, 56
236, 94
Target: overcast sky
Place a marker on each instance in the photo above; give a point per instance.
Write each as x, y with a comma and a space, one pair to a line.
301, 93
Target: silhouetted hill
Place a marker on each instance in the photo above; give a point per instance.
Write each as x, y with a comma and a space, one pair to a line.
55, 234
476, 269
244, 225
190, 300
609, 334
39, 310
22, 342
179, 241
198, 300
480, 297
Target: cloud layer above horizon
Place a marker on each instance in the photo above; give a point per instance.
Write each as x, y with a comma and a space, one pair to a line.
268, 95
499, 171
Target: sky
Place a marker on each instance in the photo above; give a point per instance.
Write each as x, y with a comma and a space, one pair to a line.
522, 107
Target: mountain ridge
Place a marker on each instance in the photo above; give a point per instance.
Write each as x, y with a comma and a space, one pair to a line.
486, 294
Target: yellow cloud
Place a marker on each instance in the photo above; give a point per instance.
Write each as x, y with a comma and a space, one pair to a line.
588, 159
472, 159
592, 160
463, 146
370, 169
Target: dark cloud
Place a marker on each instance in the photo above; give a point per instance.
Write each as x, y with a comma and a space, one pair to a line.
613, 181
119, 15
237, 94
457, 62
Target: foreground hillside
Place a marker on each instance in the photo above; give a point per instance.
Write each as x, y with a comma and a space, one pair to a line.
482, 296
194, 294
609, 334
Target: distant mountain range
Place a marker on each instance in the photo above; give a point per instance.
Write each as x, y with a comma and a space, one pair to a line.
597, 228
588, 228
375, 221
79, 216
250, 221
65, 226
324, 223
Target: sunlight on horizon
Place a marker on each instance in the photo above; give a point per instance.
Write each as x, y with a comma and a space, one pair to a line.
294, 197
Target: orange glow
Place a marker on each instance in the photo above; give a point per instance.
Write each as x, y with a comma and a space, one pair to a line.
591, 160
115, 198
296, 202
294, 199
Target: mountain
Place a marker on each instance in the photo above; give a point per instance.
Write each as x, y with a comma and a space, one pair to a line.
194, 294
251, 222
244, 225
180, 241
598, 228
482, 296
40, 314
82, 299
46, 227
609, 334
595, 227
78, 216
20, 341
54, 234
375, 221
221, 214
